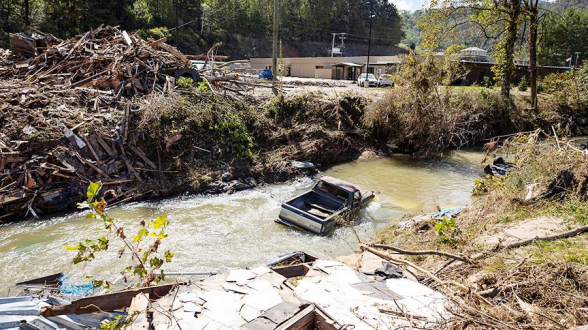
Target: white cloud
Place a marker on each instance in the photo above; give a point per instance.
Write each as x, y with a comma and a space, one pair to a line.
409, 5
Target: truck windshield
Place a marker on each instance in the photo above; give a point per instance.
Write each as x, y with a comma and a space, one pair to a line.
331, 190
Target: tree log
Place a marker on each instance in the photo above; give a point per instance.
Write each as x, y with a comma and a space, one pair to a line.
424, 252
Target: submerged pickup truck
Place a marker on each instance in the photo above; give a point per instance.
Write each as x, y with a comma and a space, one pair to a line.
329, 199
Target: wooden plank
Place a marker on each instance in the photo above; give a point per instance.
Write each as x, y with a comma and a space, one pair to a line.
128, 164
106, 302
175, 53
127, 38
10, 159
141, 154
96, 158
304, 320
105, 146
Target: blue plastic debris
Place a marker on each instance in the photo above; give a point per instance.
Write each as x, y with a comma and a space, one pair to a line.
68, 287
443, 212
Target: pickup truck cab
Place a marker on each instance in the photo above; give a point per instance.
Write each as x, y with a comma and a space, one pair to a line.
318, 209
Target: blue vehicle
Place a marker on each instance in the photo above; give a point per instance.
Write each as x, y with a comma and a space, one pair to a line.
265, 74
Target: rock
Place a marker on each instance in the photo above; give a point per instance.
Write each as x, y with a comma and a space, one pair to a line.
226, 177
302, 165
236, 186
368, 154
251, 182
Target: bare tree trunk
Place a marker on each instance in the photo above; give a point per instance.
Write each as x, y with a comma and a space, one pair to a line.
533, 13
27, 11
514, 11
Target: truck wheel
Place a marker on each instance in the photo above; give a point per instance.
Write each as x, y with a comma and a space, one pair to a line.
188, 73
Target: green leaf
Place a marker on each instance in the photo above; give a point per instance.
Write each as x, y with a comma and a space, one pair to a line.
91, 216
72, 248
145, 256
168, 256
155, 262
83, 205
160, 221
140, 234
139, 270
79, 247
93, 190
103, 243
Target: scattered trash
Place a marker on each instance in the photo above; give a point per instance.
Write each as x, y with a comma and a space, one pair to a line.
68, 287
450, 212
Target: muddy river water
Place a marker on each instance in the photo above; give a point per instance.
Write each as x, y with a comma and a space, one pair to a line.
209, 232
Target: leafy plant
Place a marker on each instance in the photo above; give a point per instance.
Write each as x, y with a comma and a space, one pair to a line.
185, 82
523, 84
143, 248
447, 231
487, 82
203, 87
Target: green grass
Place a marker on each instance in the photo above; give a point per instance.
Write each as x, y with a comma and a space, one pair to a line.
566, 249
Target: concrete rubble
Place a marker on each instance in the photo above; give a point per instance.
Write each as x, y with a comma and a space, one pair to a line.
261, 298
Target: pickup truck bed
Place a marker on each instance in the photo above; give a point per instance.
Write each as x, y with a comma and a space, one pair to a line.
317, 209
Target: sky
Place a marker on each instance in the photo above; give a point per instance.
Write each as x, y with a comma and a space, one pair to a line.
410, 5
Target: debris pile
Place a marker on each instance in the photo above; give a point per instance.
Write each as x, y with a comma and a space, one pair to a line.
106, 59
66, 118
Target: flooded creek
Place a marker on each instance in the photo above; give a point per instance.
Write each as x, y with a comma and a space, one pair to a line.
209, 232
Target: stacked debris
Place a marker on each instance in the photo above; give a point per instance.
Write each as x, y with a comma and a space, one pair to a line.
106, 59
64, 121
72, 114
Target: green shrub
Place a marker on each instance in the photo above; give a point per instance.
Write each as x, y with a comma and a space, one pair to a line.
523, 85
447, 231
185, 82
203, 87
487, 82
554, 82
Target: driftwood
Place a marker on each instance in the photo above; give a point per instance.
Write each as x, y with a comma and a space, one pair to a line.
425, 252
567, 234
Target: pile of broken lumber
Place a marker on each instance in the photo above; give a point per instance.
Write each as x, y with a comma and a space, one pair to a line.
105, 58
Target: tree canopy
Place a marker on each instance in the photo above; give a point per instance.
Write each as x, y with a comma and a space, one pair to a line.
242, 25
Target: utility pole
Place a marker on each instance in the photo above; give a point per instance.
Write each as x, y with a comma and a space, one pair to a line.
367, 65
333, 45
275, 44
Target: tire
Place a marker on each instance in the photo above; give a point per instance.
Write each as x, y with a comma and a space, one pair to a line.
188, 73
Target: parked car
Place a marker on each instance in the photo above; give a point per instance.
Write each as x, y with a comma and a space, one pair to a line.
318, 209
385, 80
371, 80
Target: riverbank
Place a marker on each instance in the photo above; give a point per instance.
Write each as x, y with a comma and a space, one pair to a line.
189, 141
147, 143
516, 257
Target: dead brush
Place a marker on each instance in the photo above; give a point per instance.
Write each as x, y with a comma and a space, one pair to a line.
548, 295
159, 105
420, 118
